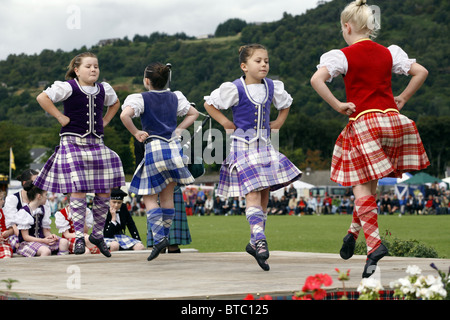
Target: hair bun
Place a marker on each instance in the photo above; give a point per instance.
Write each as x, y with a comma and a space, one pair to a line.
27, 186
360, 2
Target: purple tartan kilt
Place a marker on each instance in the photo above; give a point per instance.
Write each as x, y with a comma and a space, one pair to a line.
29, 249
81, 165
254, 167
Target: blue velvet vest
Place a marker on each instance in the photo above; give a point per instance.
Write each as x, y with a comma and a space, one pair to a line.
251, 118
160, 113
85, 111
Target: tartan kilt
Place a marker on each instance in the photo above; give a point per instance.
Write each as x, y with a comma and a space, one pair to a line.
375, 146
254, 167
81, 165
125, 242
179, 231
14, 242
5, 250
29, 249
161, 165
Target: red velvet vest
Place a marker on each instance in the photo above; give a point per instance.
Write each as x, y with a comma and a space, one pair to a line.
368, 78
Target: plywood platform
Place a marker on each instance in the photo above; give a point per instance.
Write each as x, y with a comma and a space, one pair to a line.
188, 275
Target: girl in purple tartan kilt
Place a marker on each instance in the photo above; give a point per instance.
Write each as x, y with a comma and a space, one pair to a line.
82, 163
13, 203
253, 168
162, 167
33, 222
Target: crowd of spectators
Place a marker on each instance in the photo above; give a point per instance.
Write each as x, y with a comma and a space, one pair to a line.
201, 202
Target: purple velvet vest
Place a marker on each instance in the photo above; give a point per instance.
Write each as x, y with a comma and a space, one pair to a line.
85, 111
252, 119
36, 229
160, 113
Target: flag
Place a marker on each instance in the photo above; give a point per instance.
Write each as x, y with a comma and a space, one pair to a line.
11, 159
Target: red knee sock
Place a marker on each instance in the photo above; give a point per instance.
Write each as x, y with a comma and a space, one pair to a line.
355, 226
366, 210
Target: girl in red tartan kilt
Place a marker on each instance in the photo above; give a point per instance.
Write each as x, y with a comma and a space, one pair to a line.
5, 248
378, 141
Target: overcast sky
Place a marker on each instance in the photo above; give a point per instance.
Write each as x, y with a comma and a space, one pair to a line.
30, 26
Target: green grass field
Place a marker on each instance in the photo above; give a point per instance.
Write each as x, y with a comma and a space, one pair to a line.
308, 233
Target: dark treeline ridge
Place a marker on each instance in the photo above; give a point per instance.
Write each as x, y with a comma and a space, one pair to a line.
295, 44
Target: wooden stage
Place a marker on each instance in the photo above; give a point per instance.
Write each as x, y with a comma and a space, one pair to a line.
190, 275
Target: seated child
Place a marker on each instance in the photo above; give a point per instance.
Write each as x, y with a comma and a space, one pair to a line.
33, 222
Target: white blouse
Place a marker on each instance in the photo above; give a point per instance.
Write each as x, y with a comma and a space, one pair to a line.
24, 220
227, 96
10, 208
63, 224
62, 90
136, 102
336, 62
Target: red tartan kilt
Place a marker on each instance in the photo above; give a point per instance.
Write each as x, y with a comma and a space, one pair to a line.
375, 146
5, 250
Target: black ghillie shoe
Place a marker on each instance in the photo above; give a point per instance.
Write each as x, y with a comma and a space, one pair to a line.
80, 246
101, 245
262, 262
348, 247
157, 248
372, 260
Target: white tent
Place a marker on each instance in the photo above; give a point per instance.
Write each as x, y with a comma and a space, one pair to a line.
301, 187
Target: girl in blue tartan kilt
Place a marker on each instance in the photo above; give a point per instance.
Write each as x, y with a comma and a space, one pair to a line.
162, 167
179, 231
253, 168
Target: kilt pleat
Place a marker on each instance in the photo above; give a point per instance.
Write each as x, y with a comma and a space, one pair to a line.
5, 250
161, 165
254, 167
375, 146
81, 165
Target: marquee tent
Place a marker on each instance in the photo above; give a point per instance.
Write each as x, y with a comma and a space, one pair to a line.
393, 181
421, 178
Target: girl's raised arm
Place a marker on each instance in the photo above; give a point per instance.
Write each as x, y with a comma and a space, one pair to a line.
189, 119
47, 104
419, 75
111, 112
318, 83
126, 117
217, 115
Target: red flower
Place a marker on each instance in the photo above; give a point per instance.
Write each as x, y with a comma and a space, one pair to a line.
319, 294
249, 297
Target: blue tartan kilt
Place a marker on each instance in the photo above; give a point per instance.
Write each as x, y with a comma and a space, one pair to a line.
125, 242
254, 167
161, 165
179, 231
